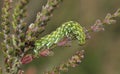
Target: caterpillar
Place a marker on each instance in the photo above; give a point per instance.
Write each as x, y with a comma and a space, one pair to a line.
68, 29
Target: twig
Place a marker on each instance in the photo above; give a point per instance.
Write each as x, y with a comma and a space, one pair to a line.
41, 19
74, 61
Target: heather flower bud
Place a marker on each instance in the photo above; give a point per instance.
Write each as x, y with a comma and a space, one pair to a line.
31, 26
97, 28
63, 42
108, 16
117, 13
20, 72
26, 59
46, 52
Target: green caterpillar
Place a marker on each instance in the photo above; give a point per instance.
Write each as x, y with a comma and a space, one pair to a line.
68, 29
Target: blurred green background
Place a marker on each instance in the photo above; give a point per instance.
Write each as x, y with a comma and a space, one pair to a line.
102, 51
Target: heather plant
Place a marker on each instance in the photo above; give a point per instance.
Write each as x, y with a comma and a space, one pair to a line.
21, 43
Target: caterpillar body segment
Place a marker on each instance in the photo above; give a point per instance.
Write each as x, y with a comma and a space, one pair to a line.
66, 30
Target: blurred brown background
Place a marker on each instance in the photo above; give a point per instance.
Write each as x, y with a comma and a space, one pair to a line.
102, 54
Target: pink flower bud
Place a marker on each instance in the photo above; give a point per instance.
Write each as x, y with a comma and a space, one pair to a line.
63, 42
11, 1
45, 52
27, 59
53, 72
